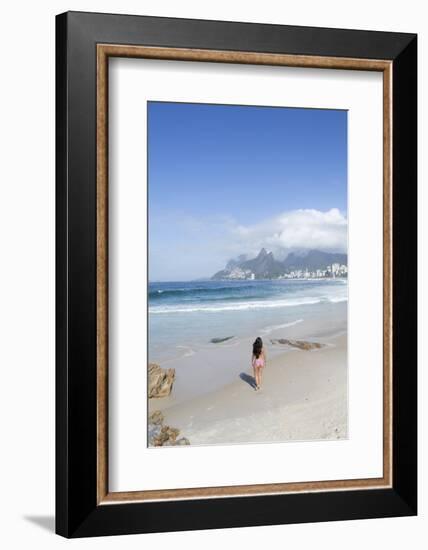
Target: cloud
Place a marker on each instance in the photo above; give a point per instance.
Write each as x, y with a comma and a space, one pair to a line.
184, 247
294, 230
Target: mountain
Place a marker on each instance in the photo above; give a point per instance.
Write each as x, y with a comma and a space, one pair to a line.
265, 266
314, 259
231, 264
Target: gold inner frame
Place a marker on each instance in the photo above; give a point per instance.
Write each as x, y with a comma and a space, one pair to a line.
104, 51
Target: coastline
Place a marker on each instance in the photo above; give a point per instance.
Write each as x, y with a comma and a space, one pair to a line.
304, 393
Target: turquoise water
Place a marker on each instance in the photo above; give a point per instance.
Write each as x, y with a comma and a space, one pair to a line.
185, 316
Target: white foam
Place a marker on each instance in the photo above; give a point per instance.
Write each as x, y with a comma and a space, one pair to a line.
188, 351
268, 330
338, 299
238, 306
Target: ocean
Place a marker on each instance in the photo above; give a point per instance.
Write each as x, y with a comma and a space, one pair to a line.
185, 316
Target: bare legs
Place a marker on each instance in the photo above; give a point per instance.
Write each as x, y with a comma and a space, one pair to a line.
258, 376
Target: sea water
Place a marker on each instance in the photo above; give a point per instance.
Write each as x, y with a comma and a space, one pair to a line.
183, 317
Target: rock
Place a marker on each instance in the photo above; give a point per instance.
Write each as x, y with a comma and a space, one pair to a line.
178, 443
301, 344
156, 418
220, 340
153, 433
160, 435
160, 380
182, 441
166, 435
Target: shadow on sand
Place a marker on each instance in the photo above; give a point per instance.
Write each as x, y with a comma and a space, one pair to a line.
248, 379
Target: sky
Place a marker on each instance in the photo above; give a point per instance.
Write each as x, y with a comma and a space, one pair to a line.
225, 180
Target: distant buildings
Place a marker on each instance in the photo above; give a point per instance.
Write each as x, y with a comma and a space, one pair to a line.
331, 272
314, 264
238, 273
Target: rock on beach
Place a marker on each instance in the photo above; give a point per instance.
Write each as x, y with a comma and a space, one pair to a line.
160, 380
220, 340
161, 435
300, 344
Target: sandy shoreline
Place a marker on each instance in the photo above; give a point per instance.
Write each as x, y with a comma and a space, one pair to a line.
304, 393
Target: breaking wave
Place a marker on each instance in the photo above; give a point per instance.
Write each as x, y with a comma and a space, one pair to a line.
243, 306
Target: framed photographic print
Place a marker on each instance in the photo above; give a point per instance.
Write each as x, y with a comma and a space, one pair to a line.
236, 274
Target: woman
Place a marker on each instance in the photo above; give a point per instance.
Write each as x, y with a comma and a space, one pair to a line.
258, 361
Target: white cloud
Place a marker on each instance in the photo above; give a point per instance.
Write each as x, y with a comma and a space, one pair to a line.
198, 248
296, 229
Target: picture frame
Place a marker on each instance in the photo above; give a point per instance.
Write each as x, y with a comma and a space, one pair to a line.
84, 44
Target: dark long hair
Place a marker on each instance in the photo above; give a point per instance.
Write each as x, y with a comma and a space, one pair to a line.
257, 347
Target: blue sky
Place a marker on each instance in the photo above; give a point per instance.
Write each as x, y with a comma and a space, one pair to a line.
224, 180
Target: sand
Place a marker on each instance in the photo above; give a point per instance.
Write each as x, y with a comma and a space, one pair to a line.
303, 395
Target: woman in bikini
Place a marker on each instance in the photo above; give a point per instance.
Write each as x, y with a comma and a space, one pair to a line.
258, 361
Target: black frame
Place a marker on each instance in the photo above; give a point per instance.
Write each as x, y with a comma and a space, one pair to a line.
77, 513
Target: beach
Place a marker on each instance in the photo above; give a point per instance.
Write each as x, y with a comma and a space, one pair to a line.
304, 392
